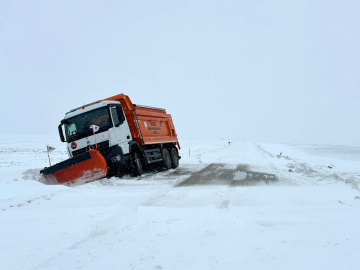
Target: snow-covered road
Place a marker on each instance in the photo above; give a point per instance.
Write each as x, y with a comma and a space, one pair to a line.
308, 218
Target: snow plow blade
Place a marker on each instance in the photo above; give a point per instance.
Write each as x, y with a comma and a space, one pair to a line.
78, 170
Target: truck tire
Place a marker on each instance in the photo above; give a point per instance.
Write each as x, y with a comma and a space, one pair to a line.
166, 158
138, 167
174, 158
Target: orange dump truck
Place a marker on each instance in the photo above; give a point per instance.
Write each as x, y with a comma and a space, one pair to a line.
113, 136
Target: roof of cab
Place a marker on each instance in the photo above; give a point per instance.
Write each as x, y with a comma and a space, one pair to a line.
89, 107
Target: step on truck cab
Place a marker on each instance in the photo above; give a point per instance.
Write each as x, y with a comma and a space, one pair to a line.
130, 137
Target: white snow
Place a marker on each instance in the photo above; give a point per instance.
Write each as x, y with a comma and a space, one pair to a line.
240, 176
308, 219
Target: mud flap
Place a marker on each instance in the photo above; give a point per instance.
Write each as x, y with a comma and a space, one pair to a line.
78, 170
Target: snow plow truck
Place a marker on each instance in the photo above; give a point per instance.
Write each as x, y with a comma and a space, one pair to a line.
127, 139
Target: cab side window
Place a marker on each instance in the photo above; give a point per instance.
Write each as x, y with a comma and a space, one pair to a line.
117, 115
120, 114
114, 116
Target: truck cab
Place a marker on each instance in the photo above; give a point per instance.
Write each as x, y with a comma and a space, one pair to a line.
112, 138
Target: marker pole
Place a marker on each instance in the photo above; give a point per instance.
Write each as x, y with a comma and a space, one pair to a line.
95, 138
47, 148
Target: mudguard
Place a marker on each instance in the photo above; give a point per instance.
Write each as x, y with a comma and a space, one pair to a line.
80, 169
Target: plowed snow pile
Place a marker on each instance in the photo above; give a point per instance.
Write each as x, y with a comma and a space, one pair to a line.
228, 206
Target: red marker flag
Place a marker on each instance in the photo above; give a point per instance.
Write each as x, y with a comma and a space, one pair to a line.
50, 149
94, 128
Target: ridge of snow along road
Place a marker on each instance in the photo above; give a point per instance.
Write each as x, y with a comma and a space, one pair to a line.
307, 218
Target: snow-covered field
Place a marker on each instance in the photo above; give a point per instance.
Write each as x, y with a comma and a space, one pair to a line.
307, 218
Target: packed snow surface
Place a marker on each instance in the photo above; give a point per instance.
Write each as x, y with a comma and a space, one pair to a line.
210, 213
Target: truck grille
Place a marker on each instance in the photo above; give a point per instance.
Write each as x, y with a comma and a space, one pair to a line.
101, 147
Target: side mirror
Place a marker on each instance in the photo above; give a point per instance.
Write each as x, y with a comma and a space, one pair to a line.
61, 134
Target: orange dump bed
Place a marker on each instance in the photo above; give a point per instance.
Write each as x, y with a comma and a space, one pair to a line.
147, 125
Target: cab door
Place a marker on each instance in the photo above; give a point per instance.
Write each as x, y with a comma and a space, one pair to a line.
121, 127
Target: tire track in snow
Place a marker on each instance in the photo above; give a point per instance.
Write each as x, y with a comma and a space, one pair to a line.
107, 230
8, 204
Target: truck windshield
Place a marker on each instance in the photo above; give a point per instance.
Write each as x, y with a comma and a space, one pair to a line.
78, 127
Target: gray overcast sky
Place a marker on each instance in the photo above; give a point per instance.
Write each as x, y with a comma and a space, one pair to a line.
269, 71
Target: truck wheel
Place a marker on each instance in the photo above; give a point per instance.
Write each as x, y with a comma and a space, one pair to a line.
138, 167
167, 159
174, 158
